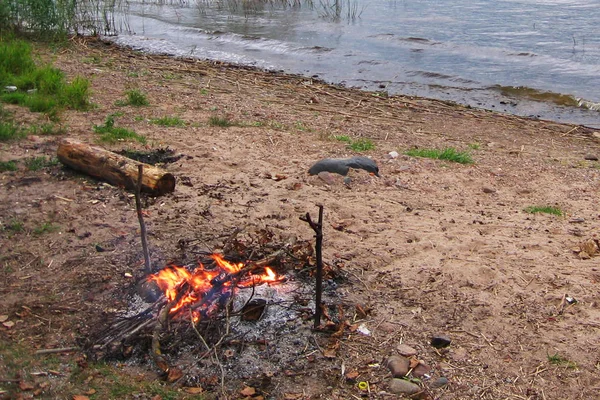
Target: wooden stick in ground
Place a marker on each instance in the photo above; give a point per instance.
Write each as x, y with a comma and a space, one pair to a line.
138, 206
318, 228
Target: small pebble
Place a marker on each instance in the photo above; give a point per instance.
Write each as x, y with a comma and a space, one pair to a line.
393, 154
403, 387
489, 190
590, 157
421, 370
406, 350
439, 382
398, 365
440, 341
327, 177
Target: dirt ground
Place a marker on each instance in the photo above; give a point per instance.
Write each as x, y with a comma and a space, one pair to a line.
430, 248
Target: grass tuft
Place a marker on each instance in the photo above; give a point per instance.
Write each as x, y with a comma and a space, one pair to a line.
135, 98
448, 154
9, 131
223, 122
38, 163
168, 121
111, 134
361, 144
544, 210
8, 166
557, 359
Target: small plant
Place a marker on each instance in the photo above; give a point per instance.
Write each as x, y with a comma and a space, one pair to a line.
110, 133
10, 131
449, 154
37, 163
343, 138
47, 129
220, 121
168, 121
134, 98
46, 227
8, 166
362, 144
544, 210
474, 146
557, 359
14, 226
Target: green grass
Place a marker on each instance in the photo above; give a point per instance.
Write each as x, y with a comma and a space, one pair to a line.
46, 227
135, 98
168, 121
14, 226
40, 88
8, 166
544, 210
557, 359
448, 154
360, 144
37, 163
10, 131
223, 122
343, 138
111, 134
48, 129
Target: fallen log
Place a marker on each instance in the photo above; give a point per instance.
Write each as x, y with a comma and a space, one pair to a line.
114, 168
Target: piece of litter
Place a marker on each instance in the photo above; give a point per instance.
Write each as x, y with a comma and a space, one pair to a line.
364, 330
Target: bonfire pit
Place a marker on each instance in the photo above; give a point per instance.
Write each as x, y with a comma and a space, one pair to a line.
224, 318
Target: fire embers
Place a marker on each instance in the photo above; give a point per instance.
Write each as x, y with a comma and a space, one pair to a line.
203, 292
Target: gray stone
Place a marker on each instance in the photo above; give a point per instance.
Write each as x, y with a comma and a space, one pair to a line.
406, 350
398, 366
403, 387
487, 189
439, 382
591, 157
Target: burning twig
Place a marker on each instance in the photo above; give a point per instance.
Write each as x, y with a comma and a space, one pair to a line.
318, 228
138, 206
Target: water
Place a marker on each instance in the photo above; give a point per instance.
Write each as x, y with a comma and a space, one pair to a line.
538, 58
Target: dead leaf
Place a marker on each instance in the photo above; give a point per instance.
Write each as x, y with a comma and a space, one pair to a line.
292, 396
279, 177
8, 324
193, 390
91, 392
174, 374
352, 375
413, 362
248, 391
330, 353
3, 318
80, 397
25, 386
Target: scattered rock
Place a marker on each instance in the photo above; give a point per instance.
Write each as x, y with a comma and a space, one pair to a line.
406, 350
576, 220
398, 365
488, 190
439, 382
10, 89
393, 154
440, 341
403, 387
590, 157
421, 370
326, 177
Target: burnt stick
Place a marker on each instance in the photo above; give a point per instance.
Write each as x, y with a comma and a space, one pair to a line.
318, 228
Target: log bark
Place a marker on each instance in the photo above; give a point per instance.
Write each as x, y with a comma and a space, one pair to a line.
114, 168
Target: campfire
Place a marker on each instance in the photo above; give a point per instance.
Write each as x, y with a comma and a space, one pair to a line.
202, 292
220, 315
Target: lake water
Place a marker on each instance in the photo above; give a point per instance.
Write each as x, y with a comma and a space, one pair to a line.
538, 58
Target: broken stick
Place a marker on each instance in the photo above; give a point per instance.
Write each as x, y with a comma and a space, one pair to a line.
138, 207
318, 228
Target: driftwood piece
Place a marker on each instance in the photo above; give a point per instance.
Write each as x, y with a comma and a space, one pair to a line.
318, 228
114, 168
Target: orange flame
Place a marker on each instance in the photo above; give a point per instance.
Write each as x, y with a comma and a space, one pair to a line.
191, 287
